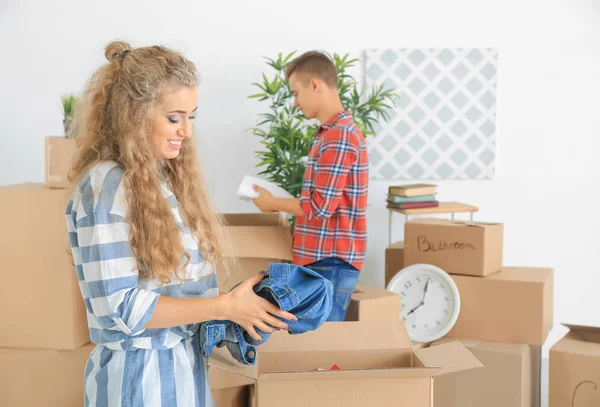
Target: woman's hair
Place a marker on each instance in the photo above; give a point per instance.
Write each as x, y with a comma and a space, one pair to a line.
112, 122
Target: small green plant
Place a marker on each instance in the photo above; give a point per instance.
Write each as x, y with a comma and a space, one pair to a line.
285, 132
69, 101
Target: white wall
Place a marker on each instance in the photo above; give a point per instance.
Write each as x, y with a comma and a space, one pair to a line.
548, 121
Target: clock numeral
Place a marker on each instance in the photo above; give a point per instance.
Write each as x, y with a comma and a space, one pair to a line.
438, 322
402, 294
418, 279
441, 285
426, 326
445, 311
408, 285
447, 299
414, 326
402, 306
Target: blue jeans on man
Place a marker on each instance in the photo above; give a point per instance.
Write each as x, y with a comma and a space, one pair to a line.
343, 276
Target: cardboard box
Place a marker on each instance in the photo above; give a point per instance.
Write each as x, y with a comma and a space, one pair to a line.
420, 345
258, 239
229, 389
42, 378
394, 260
575, 368
40, 301
373, 304
514, 306
457, 247
59, 153
510, 377
377, 362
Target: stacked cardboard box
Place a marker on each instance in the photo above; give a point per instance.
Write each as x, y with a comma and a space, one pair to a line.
44, 336
575, 368
373, 304
505, 316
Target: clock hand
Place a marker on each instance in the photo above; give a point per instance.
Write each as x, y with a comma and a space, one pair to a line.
422, 300
425, 291
414, 309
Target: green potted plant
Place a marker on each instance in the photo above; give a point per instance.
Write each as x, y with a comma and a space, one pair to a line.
69, 101
285, 132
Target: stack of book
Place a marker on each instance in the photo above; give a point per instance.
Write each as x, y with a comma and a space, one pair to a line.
412, 196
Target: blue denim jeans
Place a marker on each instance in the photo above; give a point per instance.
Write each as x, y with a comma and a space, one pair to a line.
296, 289
343, 276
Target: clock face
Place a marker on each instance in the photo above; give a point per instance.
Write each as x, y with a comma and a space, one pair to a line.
430, 302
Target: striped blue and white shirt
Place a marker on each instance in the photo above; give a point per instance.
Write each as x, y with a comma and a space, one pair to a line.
132, 365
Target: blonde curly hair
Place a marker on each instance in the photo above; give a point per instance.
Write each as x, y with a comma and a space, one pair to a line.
112, 122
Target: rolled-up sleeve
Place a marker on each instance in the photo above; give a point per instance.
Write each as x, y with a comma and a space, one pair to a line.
337, 155
109, 274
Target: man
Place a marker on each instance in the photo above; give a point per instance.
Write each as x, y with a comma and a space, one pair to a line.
331, 229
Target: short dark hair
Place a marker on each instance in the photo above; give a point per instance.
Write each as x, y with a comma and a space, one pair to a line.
316, 64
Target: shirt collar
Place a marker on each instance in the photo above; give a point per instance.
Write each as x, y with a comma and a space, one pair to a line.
345, 114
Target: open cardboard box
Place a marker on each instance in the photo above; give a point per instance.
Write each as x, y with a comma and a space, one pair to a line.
378, 367
258, 239
575, 368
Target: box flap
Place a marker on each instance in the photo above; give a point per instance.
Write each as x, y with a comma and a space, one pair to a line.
350, 374
341, 336
222, 359
467, 343
586, 333
477, 345
223, 379
260, 235
451, 357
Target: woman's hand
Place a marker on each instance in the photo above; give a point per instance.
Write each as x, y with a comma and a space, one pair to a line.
248, 310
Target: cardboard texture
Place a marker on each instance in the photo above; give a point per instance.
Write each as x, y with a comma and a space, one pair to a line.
394, 260
378, 367
38, 273
373, 304
514, 306
42, 378
575, 368
232, 397
59, 153
258, 239
457, 247
510, 377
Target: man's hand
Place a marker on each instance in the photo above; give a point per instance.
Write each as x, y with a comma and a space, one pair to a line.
264, 202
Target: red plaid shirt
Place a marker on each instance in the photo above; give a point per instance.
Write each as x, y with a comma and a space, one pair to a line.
334, 196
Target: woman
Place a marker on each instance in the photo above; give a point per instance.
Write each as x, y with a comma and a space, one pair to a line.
145, 237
